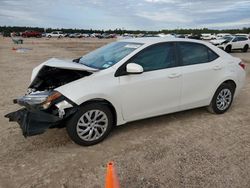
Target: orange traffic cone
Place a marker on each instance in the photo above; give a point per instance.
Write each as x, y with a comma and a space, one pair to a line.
111, 177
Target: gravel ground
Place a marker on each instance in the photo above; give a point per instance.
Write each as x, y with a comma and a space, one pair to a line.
187, 149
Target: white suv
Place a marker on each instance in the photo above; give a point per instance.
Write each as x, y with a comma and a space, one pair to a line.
57, 34
126, 81
229, 43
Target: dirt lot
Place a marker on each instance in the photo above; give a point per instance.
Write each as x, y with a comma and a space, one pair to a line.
187, 149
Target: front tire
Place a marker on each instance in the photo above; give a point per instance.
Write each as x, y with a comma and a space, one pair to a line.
245, 49
228, 49
91, 124
222, 99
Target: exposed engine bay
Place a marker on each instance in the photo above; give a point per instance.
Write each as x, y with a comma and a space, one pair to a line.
50, 78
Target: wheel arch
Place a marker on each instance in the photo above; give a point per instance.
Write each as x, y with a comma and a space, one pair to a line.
227, 81
104, 102
231, 82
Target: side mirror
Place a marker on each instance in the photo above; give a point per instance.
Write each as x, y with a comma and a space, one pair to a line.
134, 68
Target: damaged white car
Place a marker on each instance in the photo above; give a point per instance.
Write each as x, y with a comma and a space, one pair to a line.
229, 43
125, 81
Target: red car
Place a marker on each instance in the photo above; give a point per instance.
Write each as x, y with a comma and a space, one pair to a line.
31, 34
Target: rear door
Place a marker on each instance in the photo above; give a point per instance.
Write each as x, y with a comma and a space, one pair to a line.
243, 41
201, 70
157, 90
237, 43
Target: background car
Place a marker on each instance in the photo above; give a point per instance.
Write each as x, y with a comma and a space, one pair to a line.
242, 35
85, 35
230, 43
221, 35
57, 34
181, 36
207, 36
29, 33
194, 36
75, 35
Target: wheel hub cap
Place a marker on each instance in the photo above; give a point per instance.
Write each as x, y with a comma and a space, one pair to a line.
92, 125
224, 99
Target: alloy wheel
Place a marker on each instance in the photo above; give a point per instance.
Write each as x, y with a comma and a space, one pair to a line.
92, 125
224, 99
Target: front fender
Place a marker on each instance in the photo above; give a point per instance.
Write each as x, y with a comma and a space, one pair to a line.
85, 98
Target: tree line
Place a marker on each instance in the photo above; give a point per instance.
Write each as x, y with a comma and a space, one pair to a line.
6, 30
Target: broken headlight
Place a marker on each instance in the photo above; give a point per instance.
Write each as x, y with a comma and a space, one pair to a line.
42, 99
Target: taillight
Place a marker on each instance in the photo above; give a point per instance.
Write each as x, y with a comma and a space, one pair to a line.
243, 65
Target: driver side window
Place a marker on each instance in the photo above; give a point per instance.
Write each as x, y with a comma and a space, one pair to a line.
156, 57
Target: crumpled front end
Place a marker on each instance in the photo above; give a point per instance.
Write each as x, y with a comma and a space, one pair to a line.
33, 123
42, 110
44, 107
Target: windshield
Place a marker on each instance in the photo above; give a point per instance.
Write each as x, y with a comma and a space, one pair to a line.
227, 38
108, 55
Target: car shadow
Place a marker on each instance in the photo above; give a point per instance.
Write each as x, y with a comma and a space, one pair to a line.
59, 138
158, 121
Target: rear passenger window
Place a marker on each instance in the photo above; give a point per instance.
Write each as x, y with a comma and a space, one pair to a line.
211, 55
242, 39
193, 53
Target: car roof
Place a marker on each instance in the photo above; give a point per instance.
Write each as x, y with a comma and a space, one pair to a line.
154, 40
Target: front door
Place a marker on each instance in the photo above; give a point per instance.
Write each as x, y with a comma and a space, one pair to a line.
157, 90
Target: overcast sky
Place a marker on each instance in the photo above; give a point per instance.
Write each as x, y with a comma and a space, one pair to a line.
128, 14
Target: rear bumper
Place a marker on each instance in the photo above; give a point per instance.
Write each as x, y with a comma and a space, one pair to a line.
33, 123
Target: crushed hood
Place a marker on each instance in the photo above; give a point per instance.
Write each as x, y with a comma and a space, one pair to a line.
217, 41
67, 64
55, 72
62, 64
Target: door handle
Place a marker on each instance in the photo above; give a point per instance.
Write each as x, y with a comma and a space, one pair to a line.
217, 67
174, 75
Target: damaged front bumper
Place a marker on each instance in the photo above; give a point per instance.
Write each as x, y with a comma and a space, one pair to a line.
34, 121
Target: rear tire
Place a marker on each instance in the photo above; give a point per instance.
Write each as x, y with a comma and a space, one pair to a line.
91, 124
245, 49
228, 49
222, 99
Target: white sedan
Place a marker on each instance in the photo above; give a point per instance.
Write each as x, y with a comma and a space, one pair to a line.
126, 81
